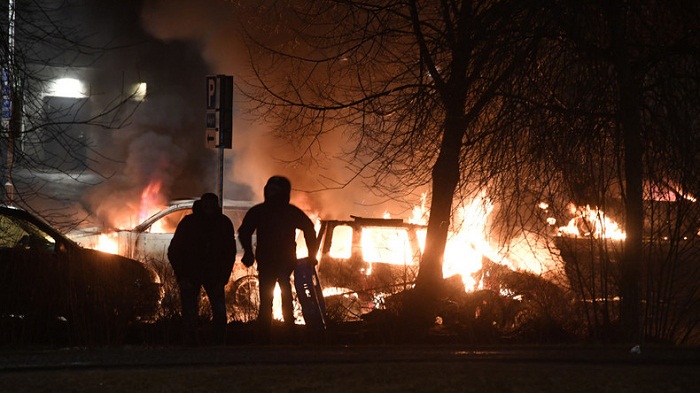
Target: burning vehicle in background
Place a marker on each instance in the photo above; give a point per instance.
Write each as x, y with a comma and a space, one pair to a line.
669, 290
49, 284
364, 259
149, 240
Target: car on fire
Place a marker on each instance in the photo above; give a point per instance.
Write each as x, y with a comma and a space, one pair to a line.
149, 240
363, 260
47, 280
360, 260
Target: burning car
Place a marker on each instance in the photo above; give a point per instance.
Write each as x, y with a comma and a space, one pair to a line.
149, 240
47, 279
363, 259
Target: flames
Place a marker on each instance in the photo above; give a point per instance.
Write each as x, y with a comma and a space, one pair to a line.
467, 246
108, 242
151, 201
591, 222
469, 243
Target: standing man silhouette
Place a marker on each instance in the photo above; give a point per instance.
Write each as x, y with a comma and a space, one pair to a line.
202, 253
275, 222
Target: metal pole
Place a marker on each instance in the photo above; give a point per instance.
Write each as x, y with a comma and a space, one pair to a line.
221, 176
8, 123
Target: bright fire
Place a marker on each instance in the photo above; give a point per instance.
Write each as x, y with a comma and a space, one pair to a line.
108, 242
467, 246
591, 222
468, 241
151, 202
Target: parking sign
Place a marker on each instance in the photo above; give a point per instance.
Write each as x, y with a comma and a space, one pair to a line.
219, 114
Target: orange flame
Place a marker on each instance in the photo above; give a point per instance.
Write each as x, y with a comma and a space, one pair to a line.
591, 222
151, 203
466, 247
108, 242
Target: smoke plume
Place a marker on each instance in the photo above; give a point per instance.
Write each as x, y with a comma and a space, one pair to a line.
256, 154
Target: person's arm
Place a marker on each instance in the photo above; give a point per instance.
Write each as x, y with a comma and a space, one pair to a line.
177, 248
245, 236
230, 238
307, 227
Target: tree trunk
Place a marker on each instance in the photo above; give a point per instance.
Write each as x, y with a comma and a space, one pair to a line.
445, 179
630, 122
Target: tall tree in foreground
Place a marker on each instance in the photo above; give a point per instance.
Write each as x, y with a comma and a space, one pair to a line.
411, 84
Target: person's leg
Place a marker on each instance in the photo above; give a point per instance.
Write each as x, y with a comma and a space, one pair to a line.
217, 300
287, 298
267, 293
189, 301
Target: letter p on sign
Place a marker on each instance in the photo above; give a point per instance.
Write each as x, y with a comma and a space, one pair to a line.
212, 99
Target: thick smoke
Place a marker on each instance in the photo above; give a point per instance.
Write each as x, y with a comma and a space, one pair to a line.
257, 155
162, 141
152, 158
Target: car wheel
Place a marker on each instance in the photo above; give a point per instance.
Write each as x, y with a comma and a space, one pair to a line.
245, 296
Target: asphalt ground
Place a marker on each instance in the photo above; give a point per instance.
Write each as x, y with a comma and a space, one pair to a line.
409, 368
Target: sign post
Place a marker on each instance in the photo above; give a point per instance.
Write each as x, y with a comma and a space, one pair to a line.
219, 120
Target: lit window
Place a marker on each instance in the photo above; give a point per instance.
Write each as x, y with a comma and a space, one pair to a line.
67, 87
139, 91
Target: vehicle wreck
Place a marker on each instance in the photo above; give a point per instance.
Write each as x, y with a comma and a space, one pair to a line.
365, 259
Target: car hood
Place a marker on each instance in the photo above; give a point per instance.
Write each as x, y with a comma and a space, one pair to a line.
117, 264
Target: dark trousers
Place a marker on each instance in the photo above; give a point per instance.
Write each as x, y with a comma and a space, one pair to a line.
267, 279
189, 298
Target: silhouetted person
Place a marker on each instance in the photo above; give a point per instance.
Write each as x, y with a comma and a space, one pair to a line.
275, 222
202, 253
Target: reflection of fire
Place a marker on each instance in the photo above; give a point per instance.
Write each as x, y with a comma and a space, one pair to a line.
592, 222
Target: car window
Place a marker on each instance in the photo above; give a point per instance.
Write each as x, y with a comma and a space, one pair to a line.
341, 246
168, 223
386, 245
16, 232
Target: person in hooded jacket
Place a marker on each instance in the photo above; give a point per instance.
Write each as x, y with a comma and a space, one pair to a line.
275, 222
202, 253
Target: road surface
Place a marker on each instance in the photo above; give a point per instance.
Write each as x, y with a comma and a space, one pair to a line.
250, 368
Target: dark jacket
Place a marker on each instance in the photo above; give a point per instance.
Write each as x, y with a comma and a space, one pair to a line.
276, 225
203, 248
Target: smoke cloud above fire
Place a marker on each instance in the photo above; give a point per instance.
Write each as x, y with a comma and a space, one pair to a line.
151, 160
256, 154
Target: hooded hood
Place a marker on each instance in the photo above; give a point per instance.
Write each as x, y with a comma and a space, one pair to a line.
208, 204
278, 190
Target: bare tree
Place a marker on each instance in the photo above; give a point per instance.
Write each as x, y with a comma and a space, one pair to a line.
45, 130
558, 102
414, 84
609, 113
